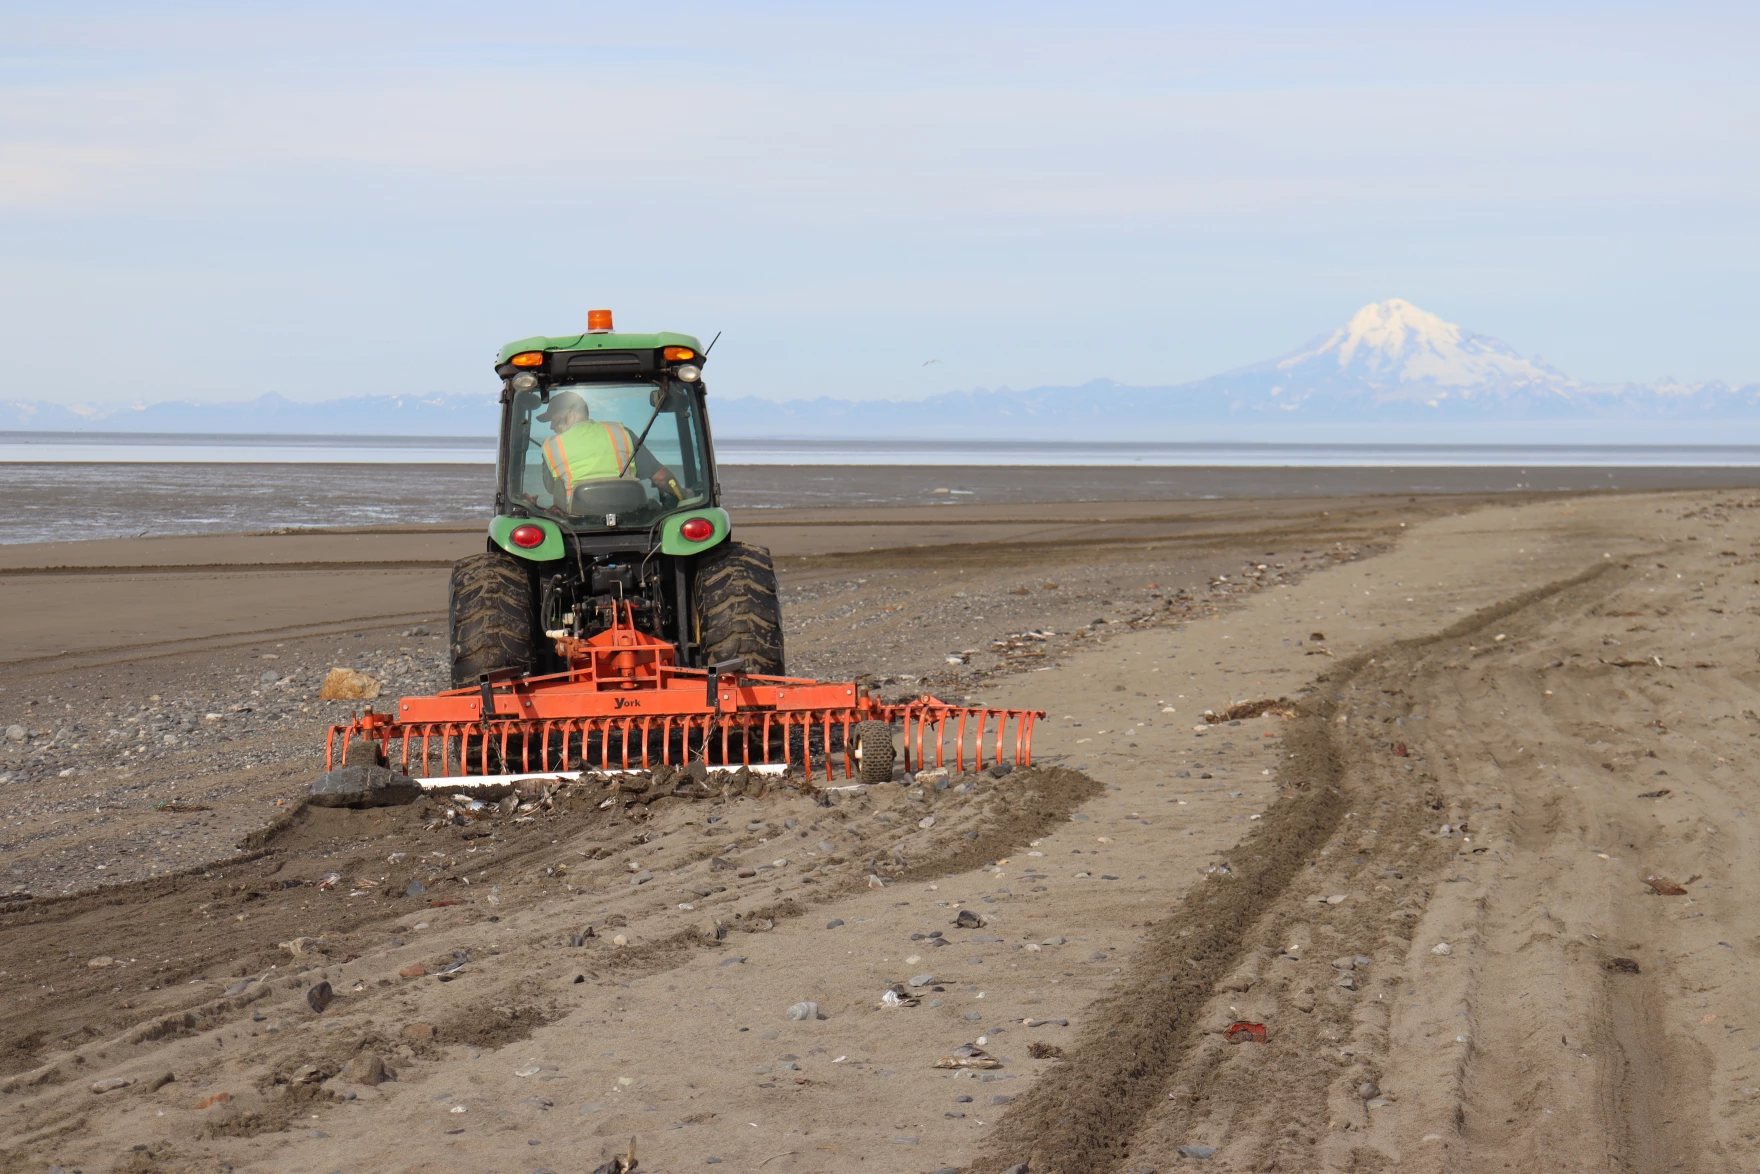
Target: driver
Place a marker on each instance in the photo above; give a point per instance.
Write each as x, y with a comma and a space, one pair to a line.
584, 449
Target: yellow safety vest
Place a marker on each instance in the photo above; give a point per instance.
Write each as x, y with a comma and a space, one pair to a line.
590, 451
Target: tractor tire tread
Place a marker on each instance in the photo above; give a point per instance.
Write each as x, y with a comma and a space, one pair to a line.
492, 618
738, 612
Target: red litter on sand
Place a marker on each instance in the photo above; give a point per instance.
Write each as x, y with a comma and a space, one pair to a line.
1241, 1032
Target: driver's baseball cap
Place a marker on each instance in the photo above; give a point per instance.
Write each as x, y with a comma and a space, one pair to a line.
561, 400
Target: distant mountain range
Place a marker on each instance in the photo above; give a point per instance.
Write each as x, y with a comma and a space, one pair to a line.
1392, 364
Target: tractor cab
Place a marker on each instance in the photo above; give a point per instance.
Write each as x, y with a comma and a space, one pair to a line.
604, 432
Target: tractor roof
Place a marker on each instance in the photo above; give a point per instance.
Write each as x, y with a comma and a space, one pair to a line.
616, 341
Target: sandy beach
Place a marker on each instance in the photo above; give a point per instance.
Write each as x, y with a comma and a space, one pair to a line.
1470, 849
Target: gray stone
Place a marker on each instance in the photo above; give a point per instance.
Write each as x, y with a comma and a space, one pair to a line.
1197, 1151
641, 878
415, 889
17, 733
805, 1012
922, 980
366, 1068
319, 997
269, 677
1002, 1098
1368, 1090
834, 923
363, 786
972, 1016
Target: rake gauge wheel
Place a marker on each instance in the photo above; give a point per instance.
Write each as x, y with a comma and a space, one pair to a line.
873, 752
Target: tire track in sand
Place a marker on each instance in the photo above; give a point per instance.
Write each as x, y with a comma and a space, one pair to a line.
1154, 1067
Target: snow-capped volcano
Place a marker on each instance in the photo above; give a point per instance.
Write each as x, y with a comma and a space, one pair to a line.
1393, 354
1397, 345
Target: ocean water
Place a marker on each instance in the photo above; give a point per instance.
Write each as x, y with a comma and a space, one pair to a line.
199, 448
80, 486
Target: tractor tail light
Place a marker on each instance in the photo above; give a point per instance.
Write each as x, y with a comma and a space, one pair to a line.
697, 530
527, 536
598, 321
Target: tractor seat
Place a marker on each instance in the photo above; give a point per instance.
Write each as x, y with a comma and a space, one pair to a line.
608, 495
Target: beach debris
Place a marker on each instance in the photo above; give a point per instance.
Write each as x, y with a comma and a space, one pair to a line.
1622, 965
1660, 793
1029, 1022
969, 1056
1241, 710
110, 1084
898, 996
1442, 948
1667, 888
341, 684
219, 1098
806, 1011
319, 997
624, 1163
1040, 1050
1242, 1031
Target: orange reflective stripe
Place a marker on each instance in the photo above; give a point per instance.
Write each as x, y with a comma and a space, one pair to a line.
558, 460
618, 447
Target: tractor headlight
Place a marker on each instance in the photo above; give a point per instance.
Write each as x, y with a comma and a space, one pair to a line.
525, 381
690, 372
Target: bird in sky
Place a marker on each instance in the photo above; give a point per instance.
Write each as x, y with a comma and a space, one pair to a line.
932, 361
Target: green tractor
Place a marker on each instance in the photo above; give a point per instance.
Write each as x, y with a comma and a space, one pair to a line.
606, 493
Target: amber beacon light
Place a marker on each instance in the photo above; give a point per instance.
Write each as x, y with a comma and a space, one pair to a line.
598, 321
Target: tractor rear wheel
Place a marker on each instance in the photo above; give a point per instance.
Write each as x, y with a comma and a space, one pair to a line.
492, 620
735, 608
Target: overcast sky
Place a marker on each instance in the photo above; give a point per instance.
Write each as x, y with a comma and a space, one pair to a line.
212, 201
